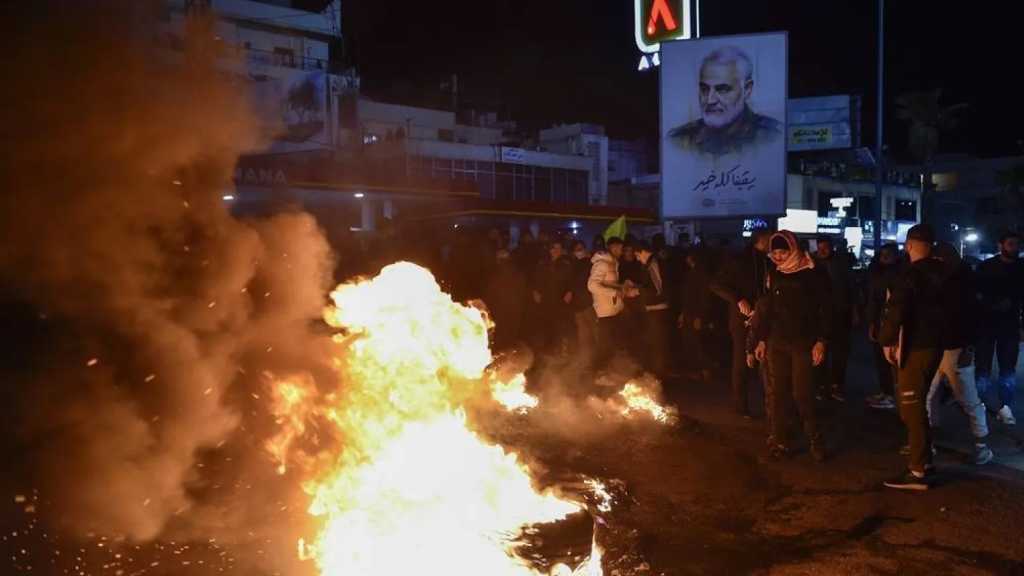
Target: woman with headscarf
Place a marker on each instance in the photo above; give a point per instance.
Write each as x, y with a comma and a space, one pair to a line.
791, 334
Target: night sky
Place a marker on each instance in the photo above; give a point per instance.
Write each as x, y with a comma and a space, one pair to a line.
547, 61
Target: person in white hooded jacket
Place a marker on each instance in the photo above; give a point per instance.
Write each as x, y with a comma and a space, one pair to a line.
604, 285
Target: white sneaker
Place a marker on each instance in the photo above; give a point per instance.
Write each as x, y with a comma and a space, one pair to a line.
1005, 416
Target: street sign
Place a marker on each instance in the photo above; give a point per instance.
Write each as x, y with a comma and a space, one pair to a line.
658, 21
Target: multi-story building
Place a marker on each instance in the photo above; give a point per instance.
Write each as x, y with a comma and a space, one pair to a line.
357, 162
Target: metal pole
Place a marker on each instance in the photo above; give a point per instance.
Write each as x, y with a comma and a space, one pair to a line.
879, 160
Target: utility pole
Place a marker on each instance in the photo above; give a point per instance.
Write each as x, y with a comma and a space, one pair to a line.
879, 159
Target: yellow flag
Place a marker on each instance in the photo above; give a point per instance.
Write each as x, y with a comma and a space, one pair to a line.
617, 229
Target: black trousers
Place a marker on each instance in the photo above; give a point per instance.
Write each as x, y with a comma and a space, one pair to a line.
913, 379
740, 373
884, 371
832, 372
792, 378
609, 336
656, 334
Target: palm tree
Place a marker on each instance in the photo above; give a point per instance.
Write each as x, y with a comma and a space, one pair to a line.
928, 119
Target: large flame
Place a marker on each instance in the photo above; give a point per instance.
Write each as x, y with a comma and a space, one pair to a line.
413, 490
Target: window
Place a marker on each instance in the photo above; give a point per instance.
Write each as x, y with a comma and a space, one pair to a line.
284, 57
524, 183
446, 135
503, 182
542, 184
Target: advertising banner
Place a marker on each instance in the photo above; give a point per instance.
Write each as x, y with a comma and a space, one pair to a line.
820, 123
723, 126
294, 104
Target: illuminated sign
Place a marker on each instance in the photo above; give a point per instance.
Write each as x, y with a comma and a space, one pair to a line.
658, 21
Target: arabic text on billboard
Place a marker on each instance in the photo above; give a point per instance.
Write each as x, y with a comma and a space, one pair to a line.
723, 126
820, 123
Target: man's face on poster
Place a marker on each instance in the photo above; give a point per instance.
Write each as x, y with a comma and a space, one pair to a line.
724, 91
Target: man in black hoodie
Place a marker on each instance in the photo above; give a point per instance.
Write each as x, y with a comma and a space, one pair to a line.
912, 336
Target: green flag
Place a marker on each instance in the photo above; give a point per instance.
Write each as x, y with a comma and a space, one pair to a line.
616, 229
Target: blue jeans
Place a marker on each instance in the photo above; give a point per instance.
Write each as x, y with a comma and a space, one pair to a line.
1006, 346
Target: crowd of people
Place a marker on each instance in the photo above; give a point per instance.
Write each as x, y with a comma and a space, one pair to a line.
772, 313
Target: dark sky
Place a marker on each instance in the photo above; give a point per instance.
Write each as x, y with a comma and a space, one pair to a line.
548, 61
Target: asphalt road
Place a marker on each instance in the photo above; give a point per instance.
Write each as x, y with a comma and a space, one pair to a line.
698, 497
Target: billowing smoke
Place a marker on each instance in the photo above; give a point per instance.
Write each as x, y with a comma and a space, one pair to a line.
153, 310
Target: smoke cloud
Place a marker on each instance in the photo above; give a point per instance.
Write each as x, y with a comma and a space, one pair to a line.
154, 311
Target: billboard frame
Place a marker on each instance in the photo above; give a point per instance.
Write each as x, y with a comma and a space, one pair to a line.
785, 136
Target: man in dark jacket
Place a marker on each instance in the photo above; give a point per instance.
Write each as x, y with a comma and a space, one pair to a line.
1001, 291
740, 283
832, 373
583, 305
695, 301
552, 297
881, 277
653, 298
505, 296
913, 328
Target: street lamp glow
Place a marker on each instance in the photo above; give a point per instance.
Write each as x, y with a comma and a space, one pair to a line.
972, 237
359, 194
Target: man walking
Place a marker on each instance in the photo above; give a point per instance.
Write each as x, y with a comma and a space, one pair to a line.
912, 338
1000, 291
956, 368
740, 283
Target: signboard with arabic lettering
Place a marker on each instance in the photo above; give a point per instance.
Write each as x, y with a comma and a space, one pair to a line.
723, 126
822, 122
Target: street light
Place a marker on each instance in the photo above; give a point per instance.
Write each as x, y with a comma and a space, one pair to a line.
972, 237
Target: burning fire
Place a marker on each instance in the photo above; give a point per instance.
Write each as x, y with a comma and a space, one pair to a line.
412, 490
640, 399
512, 394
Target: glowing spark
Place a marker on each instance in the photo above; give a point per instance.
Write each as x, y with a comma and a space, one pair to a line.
605, 499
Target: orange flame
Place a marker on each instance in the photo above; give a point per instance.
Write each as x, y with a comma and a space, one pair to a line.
414, 490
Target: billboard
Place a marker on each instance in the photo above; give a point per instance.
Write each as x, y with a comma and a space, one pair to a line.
294, 107
723, 126
822, 123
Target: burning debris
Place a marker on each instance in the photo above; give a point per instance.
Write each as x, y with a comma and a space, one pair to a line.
411, 475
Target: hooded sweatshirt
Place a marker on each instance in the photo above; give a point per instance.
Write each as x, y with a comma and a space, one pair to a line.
603, 284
